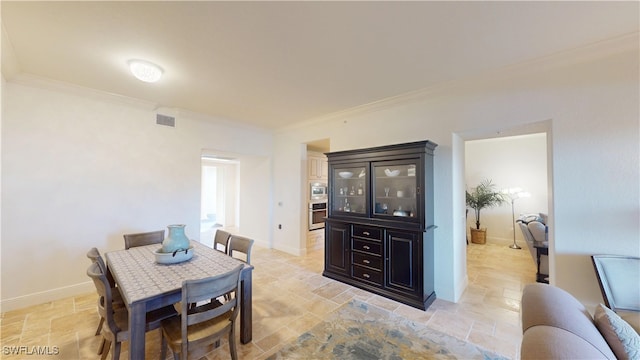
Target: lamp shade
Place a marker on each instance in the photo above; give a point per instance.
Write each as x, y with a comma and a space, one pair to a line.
515, 193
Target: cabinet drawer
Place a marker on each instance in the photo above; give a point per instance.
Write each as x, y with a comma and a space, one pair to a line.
368, 275
367, 232
367, 246
371, 261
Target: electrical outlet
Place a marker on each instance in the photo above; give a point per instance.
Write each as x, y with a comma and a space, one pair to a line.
280, 226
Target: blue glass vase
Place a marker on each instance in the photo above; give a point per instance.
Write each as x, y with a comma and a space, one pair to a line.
176, 240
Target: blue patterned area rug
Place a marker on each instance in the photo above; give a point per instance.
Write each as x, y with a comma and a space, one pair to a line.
361, 331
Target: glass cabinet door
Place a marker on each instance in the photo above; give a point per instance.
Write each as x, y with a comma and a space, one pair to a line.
395, 190
350, 189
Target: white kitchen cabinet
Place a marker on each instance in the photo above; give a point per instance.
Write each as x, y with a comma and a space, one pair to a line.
318, 166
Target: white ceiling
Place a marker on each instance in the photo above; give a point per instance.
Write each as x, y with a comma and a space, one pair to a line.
272, 64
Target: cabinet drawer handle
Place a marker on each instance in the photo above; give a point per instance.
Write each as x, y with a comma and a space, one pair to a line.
366, 276
366, 233
366, 261
366, 247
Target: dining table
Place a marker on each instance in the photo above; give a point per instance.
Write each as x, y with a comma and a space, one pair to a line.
147, 285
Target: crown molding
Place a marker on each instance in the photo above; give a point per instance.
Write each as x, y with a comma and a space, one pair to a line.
99, 95
590, 52
9, 66
81, 91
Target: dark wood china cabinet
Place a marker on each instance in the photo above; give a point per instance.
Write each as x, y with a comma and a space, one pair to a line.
379, 229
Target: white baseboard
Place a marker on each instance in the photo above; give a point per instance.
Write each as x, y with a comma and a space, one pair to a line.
46, 296
462, 285
291, 250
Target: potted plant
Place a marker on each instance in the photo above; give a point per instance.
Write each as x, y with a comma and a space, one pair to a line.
483, 196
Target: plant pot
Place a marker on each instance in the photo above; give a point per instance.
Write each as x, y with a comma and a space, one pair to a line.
478, 236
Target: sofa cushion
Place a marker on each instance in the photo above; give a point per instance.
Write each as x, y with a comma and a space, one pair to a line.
545, 305
621, 337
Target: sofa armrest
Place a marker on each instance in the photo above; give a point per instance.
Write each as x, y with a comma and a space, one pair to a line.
545, 306
548, 342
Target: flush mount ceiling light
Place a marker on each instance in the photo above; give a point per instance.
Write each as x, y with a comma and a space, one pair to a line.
145, 71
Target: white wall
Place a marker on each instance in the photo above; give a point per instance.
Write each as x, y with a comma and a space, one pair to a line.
589, 97
514, 161
79, 169
2, 85
289, 197
255, 199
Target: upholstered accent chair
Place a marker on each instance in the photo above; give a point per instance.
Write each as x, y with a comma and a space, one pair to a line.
535, 230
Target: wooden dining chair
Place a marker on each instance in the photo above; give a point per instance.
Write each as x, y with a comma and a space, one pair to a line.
144, 238
117, 319
198, 329
242, 245
221, 238
94, 255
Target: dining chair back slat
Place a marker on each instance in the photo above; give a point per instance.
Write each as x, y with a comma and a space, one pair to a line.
144, 238
94, 255
221, 239
242, 245
105, 302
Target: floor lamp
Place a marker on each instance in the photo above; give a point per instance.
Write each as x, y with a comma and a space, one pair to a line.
513, 194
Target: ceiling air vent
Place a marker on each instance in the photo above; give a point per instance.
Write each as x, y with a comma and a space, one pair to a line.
165, 120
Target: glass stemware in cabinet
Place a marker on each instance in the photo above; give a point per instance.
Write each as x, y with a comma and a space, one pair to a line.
350, 190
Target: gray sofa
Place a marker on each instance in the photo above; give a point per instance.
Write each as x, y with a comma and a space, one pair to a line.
557, 326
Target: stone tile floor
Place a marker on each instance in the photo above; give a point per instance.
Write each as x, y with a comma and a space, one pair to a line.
290, 296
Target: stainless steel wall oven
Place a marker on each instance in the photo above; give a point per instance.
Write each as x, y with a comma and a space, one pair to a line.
317, 213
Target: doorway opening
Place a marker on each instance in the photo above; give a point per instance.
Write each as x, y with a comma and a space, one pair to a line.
518, 166
514, 162
218, 196
315, 193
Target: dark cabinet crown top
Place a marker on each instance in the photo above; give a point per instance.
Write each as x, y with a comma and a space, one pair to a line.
396, 149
